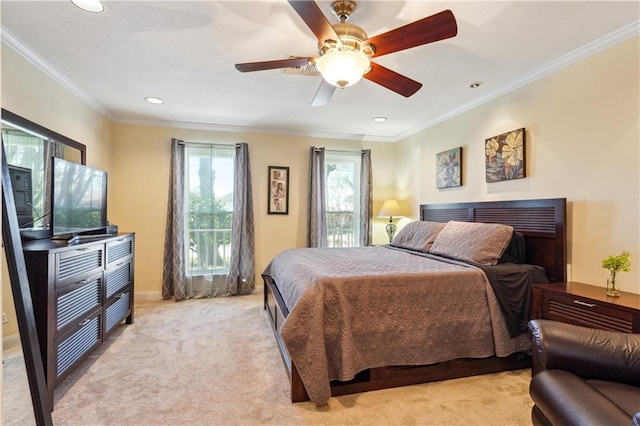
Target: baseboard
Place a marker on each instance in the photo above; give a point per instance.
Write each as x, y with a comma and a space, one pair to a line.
155, 296
148, 296
9, 342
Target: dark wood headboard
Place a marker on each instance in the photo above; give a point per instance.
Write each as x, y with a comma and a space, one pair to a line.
542, 222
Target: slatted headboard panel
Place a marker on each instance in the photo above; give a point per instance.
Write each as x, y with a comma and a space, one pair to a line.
542, 222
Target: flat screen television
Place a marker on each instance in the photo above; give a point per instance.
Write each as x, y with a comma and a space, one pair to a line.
78, 198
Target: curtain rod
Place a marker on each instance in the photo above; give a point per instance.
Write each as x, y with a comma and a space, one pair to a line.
221, 145
317, 149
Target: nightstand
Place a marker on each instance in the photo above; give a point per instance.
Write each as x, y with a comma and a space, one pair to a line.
587, 305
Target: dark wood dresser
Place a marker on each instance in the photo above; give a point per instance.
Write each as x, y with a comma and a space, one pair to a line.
587, 305
81, 293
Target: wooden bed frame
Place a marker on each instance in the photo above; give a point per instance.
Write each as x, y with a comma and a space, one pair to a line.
543, 223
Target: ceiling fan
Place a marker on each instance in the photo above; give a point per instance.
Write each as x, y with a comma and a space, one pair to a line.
345, 50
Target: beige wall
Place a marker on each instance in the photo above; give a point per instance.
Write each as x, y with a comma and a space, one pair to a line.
583, 143
140, 176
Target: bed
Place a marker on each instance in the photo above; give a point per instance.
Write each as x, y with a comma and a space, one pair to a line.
360, 319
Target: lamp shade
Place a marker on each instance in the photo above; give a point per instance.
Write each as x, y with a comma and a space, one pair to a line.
390, 208
343, 68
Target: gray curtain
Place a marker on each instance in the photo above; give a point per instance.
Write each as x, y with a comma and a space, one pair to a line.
317, 228
241, 278
173, 274
365, 198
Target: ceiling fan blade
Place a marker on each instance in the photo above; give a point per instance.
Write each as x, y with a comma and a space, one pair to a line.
270, 65
324, 94
315, 20
392, 80
427, 30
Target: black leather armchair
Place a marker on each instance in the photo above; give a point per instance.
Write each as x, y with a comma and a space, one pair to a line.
583, 376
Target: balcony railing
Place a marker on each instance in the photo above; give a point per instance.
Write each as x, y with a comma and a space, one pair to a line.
209, 251
341, 231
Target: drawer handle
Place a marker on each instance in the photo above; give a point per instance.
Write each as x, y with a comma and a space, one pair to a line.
119, 264
120, 296
86, 280
82, 249
588, 305
83, 323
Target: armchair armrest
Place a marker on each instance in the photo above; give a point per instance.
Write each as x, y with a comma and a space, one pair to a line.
587, 352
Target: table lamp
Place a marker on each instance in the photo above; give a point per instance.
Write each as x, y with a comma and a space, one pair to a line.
389, 209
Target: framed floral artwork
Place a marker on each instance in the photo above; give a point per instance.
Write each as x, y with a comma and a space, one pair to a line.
505, 156
449, 168
278, 190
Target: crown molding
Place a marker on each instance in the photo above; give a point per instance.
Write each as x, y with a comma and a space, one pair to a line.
235, 129
623, 34
50, 71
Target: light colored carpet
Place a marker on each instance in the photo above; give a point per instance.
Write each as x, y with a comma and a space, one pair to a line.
215, 362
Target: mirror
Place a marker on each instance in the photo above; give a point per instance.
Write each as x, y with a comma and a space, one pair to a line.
28, 146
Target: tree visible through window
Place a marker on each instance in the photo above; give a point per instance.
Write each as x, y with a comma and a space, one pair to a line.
209, 174
342, 198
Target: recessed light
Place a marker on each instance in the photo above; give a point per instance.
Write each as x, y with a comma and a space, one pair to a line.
93, 6
379, 119
475, 85
154, 100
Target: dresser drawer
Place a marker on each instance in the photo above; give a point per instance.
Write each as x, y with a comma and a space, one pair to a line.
585, 312
119, 250
72, 347
74, 264
76, 300
117, 311
117, 278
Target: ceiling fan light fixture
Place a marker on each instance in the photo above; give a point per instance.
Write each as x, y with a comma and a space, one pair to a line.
343, 68
93, 6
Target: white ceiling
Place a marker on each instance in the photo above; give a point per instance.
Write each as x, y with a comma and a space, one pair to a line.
185, 51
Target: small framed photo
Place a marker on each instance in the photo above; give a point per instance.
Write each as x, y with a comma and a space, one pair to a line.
278, 190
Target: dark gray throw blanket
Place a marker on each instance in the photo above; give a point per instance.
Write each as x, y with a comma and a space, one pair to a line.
356, 308
511, 284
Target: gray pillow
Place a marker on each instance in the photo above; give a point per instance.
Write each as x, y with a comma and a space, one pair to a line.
481, 243
418, 236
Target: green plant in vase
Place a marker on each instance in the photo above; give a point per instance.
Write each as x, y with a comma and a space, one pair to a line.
615, 264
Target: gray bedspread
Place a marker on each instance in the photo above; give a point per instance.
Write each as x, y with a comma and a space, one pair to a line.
366, 307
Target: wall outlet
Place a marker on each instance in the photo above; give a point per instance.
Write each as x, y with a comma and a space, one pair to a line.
4, 318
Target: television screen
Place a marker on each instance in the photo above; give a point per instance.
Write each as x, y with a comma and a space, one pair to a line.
78, 198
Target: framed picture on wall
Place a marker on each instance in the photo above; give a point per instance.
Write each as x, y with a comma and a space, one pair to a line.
278, 190
449, 168
505, 156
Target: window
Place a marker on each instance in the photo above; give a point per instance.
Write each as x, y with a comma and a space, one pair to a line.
342, 198
209, 174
